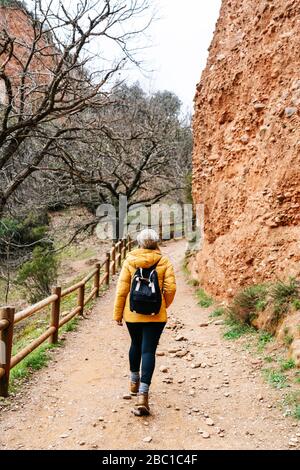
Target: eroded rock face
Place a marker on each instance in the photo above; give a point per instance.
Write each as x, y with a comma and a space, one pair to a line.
17, 24
247, 146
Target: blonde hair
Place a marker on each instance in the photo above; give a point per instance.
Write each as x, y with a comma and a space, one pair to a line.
148, 238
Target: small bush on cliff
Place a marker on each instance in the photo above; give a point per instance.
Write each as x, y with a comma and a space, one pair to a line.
248, 302
288, 338
283, 295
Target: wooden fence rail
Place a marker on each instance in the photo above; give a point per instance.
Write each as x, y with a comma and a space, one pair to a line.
101, 275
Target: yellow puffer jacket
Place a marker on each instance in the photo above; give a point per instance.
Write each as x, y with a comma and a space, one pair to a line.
142, 258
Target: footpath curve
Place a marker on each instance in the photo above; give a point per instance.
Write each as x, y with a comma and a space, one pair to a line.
77, 401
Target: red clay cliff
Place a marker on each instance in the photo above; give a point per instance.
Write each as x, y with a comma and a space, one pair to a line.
247, 146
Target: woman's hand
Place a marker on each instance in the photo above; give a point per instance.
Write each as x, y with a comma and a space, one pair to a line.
119, 322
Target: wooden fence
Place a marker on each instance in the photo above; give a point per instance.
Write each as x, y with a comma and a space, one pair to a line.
8, 317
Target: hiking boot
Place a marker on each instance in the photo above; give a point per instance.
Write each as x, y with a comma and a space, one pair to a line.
142, 406
134, 388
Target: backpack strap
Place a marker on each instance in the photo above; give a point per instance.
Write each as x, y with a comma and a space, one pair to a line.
155, 265
140, 277
138, 285
151, 283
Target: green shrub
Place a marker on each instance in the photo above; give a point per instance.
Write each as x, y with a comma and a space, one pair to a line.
296, 304
269, 359
236, 329
185, 267
292, 401
248, 302
39, 274
218, 312
296, 413
288, 339
283, 295
204, 300
287, 365
264, 338
71, 325
23, 234
275, 378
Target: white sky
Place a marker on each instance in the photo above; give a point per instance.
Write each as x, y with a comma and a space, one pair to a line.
180, 39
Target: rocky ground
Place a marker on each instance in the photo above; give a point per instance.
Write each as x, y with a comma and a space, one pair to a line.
207, 393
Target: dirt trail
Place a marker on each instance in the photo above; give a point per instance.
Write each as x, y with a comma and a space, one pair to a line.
77, 401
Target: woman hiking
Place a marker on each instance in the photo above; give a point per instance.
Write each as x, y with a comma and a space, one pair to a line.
146, 288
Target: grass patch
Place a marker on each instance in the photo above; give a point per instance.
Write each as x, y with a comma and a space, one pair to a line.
263, 339
185, 267
287, 365
296, 304
35, 361
275, 378
72, 325
296, 413
32, 329
292, 402
288, 338
77, 253
204, 300
236, 329
218, 312
269, 359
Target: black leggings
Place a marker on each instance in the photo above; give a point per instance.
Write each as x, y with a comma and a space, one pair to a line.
144, 341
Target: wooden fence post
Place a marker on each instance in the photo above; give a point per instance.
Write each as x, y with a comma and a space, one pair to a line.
6, 338
194, 223
172, 227
113, 259
97, 280
55, 311
125, 246
107, 268
160, 229
120, 253
80, 299
129, 243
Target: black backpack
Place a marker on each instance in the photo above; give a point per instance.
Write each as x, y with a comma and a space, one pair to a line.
145, 294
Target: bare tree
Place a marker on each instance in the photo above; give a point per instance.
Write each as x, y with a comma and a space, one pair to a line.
138, 148
51, 76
